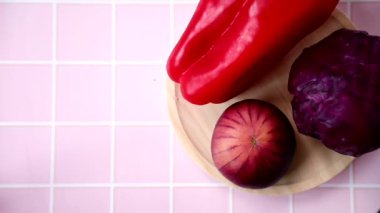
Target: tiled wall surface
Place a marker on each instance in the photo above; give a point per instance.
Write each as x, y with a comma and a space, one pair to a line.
84, 125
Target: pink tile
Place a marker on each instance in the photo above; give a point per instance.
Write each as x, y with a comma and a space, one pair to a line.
144, 200
200, 200
366, 168
142, 154
24, 155
25, 31
323, 200
142, 32
84, 32
182, 16
24, 200
140, 93
367, 200
84, 93
80, 200
25, 92
366, 16
246, 202
186, 169
82, 154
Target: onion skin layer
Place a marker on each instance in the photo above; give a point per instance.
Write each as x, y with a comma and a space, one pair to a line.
253, 144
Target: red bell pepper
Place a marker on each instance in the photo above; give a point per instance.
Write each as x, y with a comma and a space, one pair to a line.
228, 44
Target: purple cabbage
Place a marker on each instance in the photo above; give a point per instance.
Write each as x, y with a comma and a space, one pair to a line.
336, 92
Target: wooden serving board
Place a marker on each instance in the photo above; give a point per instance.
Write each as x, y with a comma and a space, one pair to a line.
313, 163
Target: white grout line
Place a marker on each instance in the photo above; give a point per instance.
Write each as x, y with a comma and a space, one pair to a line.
171, 27
136, 62
53, 106
113, 110
230, 199
366, 186
165, 185
85, 123
349, 11
137, 185
108, 185
355, 186
73, 62
171, 171
352, 190
291, 204
171, 142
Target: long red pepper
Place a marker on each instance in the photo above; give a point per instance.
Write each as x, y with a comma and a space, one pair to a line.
222, 58
209, 21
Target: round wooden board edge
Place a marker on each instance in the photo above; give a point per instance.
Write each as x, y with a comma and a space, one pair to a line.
200, 160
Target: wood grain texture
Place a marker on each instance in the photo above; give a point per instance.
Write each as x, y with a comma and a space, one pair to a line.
313, 164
